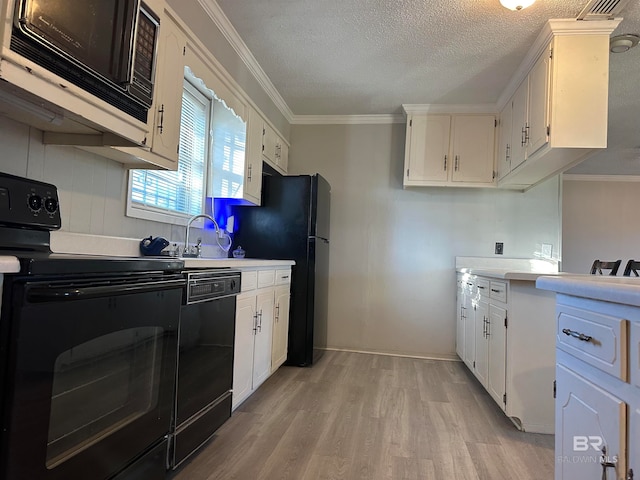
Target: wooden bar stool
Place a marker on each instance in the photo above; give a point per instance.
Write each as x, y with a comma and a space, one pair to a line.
632, 266
598, 266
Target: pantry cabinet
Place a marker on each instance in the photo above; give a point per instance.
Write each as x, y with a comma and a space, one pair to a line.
449, 150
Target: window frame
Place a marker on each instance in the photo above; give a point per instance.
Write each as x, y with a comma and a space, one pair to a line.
149, 212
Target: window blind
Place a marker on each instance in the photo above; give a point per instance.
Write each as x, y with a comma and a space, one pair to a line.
181, 191
229, 145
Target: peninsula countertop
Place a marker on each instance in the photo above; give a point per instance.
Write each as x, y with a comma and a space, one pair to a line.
507, 268
624, 290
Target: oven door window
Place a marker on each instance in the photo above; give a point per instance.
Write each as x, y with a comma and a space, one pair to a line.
101, 386
92, 378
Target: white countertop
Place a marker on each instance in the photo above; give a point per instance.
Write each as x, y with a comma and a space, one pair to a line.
234, 263
625, 290
85, 244
527, 269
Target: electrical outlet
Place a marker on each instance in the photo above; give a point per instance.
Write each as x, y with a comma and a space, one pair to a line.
499, 248
547, 250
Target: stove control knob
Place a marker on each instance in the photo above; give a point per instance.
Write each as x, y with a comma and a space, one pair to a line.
35, 203
51, 205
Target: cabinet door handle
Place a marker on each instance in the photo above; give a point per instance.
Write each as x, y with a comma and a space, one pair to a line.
605, 464
480, 287
445, 163
488, 327
630, 474
260, 323
255, 323
457, 163
277, 312
523, 142
495, 290
161, 123
249, 174
578, 335
484, 327
508, 154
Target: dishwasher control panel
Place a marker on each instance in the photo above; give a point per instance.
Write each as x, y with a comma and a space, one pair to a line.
205, 285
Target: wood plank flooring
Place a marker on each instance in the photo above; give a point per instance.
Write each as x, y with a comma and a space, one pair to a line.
371, 417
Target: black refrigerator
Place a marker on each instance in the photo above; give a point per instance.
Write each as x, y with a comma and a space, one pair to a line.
293, 223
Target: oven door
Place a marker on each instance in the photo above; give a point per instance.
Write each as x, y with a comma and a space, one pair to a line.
91, 375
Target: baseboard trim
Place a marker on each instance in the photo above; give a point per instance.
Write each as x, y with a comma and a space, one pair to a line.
446, 358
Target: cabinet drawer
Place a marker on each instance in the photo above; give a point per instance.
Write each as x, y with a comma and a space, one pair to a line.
483, 285
283, 276
266, 278
634, 357
597, 339
249, 280
499, 291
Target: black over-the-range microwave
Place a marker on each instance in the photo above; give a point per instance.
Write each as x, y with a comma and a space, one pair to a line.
106, 47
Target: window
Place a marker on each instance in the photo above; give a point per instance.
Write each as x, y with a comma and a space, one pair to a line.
229, 143
176, 196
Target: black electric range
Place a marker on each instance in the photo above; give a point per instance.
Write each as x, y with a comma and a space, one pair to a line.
88, 351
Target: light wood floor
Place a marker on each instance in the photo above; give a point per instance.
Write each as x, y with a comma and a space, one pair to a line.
371, 417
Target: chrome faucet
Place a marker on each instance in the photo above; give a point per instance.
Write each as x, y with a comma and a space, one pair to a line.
187, 249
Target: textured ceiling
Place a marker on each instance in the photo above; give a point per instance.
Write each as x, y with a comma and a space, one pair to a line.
348, 57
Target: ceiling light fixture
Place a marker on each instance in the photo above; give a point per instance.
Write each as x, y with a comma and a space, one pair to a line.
516, 4
622, 43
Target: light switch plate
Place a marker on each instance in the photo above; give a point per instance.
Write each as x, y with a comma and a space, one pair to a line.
499, 248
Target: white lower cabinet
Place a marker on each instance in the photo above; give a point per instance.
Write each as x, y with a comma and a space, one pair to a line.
588, 429
509, 346
497, 340
262, 321
280, 327
598, 397
481, 357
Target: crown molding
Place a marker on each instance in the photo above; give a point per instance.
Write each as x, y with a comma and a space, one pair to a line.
346, 119
553, 27
216, 14
575, 177
446, 108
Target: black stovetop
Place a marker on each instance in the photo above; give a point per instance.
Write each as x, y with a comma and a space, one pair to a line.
46, 263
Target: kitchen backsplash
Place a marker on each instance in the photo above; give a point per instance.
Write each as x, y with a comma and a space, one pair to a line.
92, 189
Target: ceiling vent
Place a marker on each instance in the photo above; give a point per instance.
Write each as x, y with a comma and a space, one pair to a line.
602, 9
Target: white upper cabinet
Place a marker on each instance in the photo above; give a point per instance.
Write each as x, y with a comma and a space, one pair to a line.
427, 155
253, 166
449, 150
559, 109
473, 148
505, 145
274, 149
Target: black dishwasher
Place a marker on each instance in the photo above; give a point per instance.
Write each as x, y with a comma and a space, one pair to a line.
205, 359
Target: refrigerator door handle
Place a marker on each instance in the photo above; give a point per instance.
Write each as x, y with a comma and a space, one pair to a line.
313, 237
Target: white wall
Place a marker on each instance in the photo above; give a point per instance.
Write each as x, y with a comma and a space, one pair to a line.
600, 220
92, 189
392, 280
